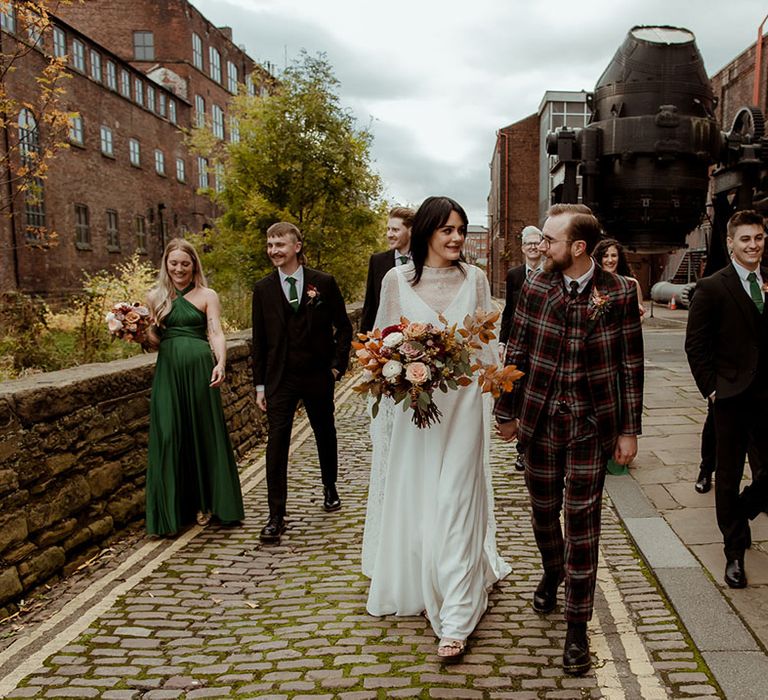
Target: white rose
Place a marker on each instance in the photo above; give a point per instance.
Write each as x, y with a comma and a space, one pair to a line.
392, 369
114, 325
366, 375
393, 340
109, 316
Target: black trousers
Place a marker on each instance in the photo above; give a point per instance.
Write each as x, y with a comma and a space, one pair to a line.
708, 442
740, 427
315, 390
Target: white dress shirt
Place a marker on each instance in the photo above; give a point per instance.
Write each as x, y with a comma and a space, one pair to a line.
298, 275
583, 280
743, 272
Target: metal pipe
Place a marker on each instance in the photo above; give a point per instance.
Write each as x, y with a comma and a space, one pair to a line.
758, 64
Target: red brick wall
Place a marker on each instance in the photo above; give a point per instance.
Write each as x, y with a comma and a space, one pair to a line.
85, 176
733, 85
514, 202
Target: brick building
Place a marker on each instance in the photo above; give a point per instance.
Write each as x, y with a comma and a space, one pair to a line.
140, 73
514, 195
477, 245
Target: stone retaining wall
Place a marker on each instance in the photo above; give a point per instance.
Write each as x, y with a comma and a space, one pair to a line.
73, 448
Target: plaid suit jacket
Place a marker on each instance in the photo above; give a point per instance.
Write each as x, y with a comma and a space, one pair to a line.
613, 362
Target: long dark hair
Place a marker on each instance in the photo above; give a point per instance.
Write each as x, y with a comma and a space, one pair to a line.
431, 215
600, 250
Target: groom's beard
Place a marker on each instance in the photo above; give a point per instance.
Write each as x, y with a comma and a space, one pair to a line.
558, 264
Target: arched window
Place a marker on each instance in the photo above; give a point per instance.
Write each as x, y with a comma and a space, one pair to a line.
29, 151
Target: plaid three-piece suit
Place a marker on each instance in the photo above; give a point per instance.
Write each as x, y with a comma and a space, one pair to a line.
582, 388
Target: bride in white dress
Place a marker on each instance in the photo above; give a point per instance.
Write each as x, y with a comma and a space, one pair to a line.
430, 533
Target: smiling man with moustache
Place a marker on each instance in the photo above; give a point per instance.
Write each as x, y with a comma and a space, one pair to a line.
301, 342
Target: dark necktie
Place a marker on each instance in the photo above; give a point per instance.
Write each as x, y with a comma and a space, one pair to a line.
573, 292
403, 259
293, 295
755, 292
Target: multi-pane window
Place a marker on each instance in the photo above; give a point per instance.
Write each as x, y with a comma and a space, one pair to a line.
162, 101
113, 233
197, 51
251, 86
199, 111
159, 162
218, 177
111, 75
78, 55
140, 225
107, 147
82, 227
76, 134
95, 66
232, 77
217, 121
138, 92
125, 84
150, 98
134, 152
7, 19
34, 23
144, 46
202, 173
214, 67
172, 111
234, 130
59, 42
29, 150
181, 171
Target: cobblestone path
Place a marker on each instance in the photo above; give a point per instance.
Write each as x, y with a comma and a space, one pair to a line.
215, 614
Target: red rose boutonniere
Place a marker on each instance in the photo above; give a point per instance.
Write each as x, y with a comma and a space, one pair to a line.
313, 295
599, 305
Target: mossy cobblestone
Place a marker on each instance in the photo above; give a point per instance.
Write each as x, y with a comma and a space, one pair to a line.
227, 617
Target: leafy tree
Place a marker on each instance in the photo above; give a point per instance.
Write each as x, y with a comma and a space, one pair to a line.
301, 159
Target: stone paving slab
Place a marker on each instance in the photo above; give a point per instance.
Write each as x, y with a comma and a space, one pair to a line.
219, 615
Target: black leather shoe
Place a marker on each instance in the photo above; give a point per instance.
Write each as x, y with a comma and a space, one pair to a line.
271, 532
331, 500
545, 595
735, 576
703, 481
576, 661
520, 463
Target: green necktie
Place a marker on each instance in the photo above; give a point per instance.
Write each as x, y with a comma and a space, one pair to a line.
755, 292
293, 295
403, 259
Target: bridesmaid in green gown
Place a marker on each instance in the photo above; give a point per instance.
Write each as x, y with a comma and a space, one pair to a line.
191, 472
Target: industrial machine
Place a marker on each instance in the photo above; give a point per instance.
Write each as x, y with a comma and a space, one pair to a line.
653, 151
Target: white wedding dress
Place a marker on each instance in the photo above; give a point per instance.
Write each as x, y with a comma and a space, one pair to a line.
430, 532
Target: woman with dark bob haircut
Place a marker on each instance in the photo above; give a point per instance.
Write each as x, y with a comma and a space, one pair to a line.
430, 534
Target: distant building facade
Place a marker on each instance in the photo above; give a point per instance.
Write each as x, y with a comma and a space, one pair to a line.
127, 182
476, 245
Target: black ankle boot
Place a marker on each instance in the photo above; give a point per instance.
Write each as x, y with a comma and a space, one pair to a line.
545, 595
576, 660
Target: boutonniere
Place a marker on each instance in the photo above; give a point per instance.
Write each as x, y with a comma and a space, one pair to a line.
313, 295
599, 305
765, 287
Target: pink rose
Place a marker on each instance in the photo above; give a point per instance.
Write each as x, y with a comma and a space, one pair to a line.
417, 373
114, 325
415, 330
410, 350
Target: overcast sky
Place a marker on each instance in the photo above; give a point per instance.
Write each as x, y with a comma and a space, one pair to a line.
435, 79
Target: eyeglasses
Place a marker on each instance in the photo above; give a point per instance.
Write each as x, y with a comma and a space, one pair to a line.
546, 243
528, 244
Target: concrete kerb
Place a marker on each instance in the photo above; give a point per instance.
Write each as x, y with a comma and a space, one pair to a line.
733, 655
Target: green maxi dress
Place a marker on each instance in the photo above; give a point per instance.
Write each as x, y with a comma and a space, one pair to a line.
191, 465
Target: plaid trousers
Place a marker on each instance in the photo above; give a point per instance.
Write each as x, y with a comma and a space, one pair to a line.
567, 463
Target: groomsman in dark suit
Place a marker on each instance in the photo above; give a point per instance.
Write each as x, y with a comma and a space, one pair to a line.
399, 226
727, 347
576, 335
301, 342
531, 237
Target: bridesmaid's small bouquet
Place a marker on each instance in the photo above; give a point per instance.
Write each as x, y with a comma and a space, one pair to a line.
129, 322
409, 361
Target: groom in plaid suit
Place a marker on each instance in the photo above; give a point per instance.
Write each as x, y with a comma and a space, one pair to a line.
576, 335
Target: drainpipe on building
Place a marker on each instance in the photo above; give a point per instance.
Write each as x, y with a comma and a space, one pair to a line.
758, 64
9, 194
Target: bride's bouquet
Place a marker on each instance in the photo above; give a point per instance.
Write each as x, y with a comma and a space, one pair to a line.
128, 322
409, 361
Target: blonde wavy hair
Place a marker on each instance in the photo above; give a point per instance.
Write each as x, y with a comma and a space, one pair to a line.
161, 296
